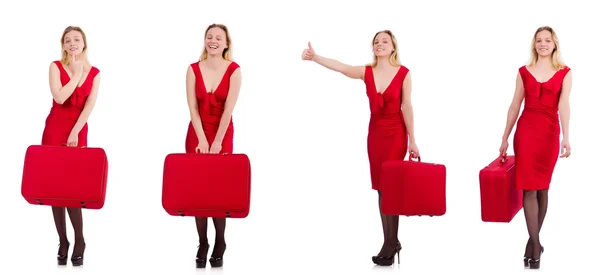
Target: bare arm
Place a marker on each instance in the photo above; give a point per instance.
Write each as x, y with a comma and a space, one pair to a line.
407, 108
354, 72
88, 107
234, 91
193, 104
564, 106
61, 93
515, 107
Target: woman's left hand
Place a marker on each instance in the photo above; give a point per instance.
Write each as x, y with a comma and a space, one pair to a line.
565, 148
72, 140
215, 148
413, 150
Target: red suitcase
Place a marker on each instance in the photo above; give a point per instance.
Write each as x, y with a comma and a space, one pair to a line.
64, 176
206, 185
411, 188
500, 198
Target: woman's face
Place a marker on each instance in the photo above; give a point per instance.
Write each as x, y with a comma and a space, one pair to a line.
73, 43
544, 45
215, 41
382, 45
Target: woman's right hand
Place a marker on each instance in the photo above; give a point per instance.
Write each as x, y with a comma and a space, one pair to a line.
308, 53
503, 148
77, 66
202, 147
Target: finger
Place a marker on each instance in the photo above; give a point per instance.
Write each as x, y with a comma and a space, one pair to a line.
309, 45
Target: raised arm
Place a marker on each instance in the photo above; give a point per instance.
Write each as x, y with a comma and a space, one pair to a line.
515, 108
194, 111
564, 111
354, 72
61, 93
234, 91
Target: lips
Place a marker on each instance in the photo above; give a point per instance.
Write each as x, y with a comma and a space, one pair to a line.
214, 47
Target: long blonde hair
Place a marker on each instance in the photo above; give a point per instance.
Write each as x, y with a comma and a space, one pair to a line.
227, 52
65, 59
394, 58
556, 59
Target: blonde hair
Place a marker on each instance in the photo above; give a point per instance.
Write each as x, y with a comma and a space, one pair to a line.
556, 60
227, 52
65, 56
394, 59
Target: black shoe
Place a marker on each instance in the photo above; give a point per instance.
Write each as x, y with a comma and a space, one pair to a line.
77, 260
374, 258
389, 260
62, 259
201, 257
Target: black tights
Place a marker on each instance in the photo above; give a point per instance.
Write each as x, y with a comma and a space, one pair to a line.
61, 227
390, 232
535, 206
202, 227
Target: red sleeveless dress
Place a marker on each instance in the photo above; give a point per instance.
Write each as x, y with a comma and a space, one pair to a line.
387, 138
211, 107
537, 137
62, 117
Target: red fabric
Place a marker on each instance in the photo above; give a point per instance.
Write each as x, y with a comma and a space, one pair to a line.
387, 138
65, 176
211, 107
500, 198
412, 188
537, 137
206, 185
62, 117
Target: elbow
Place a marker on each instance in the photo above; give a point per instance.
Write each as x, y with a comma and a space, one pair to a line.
60, 101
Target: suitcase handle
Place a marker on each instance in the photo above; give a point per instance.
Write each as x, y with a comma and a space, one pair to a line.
64, 144
410, 158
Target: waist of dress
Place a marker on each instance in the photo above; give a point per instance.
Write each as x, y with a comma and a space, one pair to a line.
395, 116
550, 113
70, 112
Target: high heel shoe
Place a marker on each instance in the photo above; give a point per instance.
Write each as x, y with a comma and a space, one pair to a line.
389, 260
201, 259
217, 261
374, 258
62, 259
527, 260
77, 260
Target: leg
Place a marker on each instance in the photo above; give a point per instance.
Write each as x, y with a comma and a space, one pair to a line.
542, 199
383, 222
391, 245
202, 228
531, 209
61, 228
76, 218
216, 259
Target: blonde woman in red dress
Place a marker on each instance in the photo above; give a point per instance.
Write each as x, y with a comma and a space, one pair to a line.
213, 86
391, 127
74, 85
545, 86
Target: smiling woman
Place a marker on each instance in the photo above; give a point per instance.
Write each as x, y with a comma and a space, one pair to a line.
74, 85
213, 85
391, 130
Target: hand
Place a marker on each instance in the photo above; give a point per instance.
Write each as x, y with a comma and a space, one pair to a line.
77, 66
565, 149
72, 140
309, 53
215, 148
503, 148
413, 150
202, 147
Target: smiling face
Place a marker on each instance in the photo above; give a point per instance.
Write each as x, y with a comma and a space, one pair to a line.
216, 41
73, 42
383, 44
544, 43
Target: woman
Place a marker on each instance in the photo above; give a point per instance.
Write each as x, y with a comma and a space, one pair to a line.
74, 85
213, 86
391, 127
545, 85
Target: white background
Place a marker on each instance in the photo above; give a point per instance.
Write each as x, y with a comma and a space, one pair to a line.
304, 128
